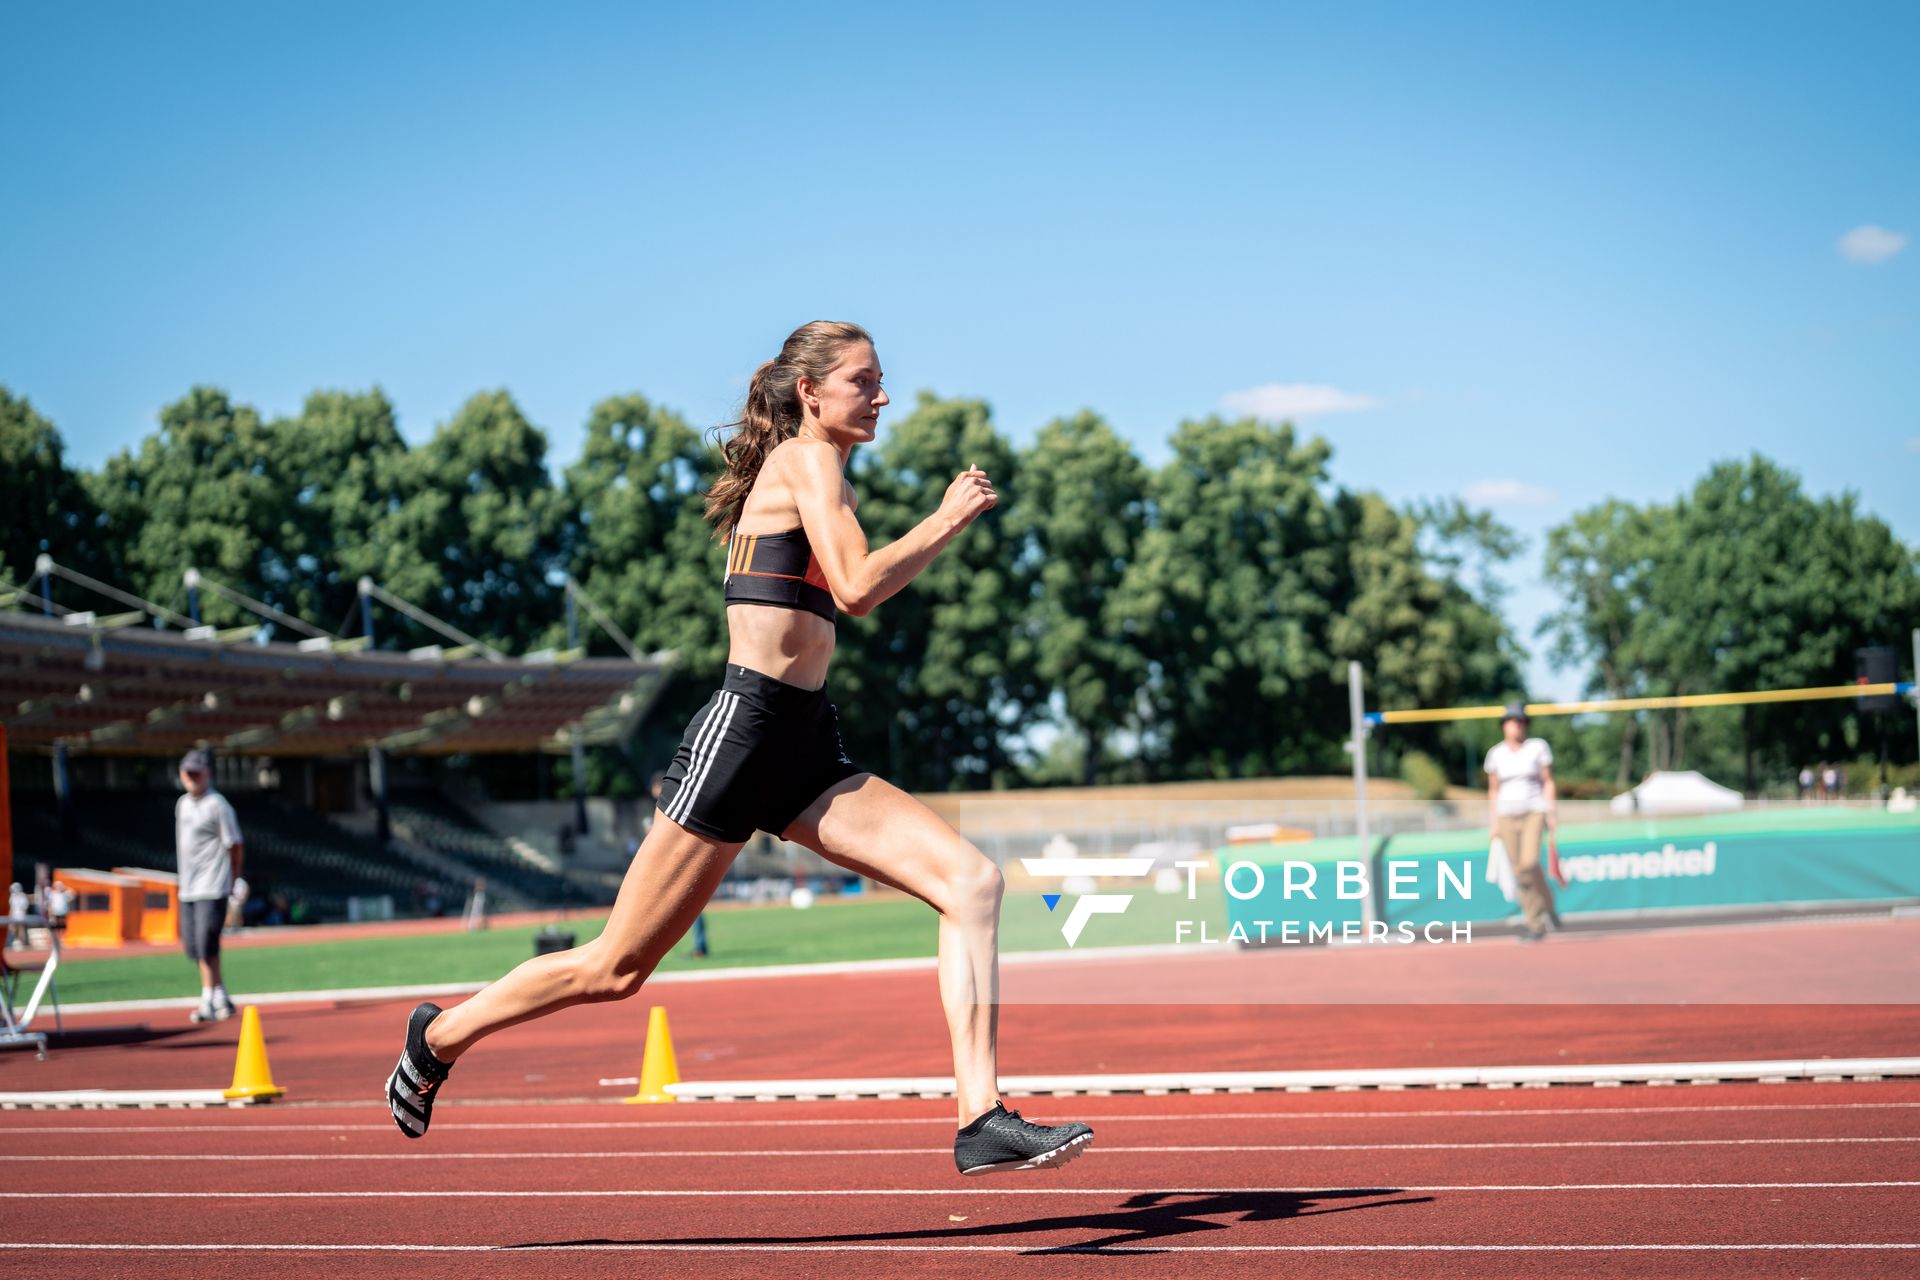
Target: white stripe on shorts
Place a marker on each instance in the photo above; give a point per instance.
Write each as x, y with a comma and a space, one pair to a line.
708, 728
713, 754
697, 776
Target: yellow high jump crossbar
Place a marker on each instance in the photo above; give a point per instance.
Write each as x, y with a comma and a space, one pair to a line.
1433, 715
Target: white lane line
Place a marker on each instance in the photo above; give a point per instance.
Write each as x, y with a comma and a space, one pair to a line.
669, 1247
815, 1153
1198, 1083
942, 1120
658, 1193
1205, 1082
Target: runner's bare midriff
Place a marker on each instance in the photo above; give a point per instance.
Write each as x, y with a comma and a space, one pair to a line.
790, 645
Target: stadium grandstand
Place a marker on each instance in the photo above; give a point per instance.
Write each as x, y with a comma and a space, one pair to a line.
306, 735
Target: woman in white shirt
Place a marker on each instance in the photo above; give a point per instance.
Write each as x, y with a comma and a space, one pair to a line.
1521, 802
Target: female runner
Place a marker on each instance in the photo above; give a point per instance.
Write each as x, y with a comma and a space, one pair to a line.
765, 753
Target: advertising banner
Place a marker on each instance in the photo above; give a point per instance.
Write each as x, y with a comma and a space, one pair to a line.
1786, 857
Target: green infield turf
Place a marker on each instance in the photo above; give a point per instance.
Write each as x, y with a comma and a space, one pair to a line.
882, 928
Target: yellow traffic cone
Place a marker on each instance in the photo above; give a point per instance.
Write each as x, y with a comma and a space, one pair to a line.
252, 1078
657, 1068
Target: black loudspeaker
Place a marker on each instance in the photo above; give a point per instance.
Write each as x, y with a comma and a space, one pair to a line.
1878, 664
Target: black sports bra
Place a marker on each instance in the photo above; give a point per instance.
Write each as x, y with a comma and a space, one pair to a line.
777, 569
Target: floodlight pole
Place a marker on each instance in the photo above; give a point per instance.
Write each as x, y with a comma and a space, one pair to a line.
376, 755
6, 805
366, 609
1357, 708
579, 751
63, 794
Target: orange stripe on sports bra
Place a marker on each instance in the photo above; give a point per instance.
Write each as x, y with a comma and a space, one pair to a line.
784, 572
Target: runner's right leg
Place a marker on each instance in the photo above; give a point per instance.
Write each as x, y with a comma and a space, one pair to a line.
672, 875
667, 885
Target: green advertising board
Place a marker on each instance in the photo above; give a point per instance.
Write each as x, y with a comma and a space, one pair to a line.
1780, 857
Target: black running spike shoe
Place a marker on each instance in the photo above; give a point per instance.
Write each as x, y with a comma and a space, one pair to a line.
1001, 1142
417, 1078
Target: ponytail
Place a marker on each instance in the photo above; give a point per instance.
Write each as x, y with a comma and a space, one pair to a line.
772, 414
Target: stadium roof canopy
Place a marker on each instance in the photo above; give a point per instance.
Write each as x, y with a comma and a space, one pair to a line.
101, 686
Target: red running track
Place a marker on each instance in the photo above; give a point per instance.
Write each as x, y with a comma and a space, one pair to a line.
1751, 1180
530, 1172
889, 1024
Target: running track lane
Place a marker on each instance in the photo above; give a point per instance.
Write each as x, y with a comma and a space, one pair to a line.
1372, 1184
891, 1025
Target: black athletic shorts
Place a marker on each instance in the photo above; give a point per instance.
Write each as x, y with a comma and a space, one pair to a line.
754, 758
201, 920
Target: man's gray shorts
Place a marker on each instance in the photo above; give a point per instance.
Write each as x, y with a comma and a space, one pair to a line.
200, 923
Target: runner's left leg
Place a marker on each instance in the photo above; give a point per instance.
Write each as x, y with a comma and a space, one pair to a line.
871, 826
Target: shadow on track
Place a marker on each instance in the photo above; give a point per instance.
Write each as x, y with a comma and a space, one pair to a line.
121, 1037
1132, 1227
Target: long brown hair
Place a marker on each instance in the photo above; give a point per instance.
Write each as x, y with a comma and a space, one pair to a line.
772, 412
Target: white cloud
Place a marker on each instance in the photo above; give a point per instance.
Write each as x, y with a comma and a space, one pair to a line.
1507, 493
1869, 244
1289, 400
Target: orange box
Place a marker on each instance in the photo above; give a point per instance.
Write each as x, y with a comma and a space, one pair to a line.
160, 903
106, 907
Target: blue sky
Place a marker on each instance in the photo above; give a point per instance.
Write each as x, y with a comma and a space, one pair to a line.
1532, 256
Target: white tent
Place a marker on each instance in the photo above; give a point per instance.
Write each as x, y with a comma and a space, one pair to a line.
1678, 792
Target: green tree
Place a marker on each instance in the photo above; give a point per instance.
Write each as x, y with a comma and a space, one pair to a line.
1077, 519
1745, 582
1602, 563
1230, 595
482, 510
1408, 615
347, 473
51, 512
640, 545
1390, 611
200, 492
1465, 546
1769, 588
1462, 547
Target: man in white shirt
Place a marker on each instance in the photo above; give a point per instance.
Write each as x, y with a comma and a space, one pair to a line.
206, 841
1521, 801
19, 905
